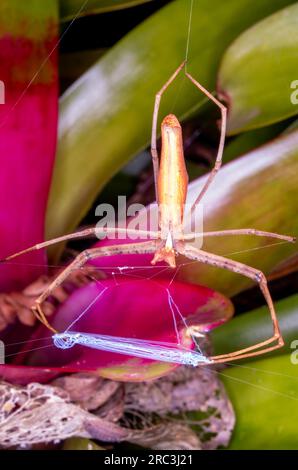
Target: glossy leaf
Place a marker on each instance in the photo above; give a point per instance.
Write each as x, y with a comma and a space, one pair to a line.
69, 9
28, 127
257, 72
250, 140
106, 115
255, 326
73, 64
264, 396
79, 443
292, 127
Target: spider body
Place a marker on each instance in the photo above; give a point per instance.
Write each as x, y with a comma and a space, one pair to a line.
172, 186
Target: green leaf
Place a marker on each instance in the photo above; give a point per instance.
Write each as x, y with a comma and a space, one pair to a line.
73, 64
70, 9
258, 70
292, 127
37, 16
250, 140
79, 443
256, 326
264, 397
106, 115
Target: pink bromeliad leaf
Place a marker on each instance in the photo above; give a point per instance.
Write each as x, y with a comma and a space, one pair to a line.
28, 123
150, 309
28, 128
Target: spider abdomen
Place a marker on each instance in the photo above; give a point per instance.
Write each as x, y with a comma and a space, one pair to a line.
173, 178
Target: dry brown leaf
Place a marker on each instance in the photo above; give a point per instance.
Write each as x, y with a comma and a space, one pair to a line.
17, 305
88, 390
149, 414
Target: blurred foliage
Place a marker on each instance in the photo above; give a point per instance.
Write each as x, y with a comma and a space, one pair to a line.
257, 71
250, 140
292, 127
73, 64
70, 9
37, 15
80, 443
264, 395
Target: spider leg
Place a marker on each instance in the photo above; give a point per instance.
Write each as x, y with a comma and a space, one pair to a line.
240, 231
158, 96
83, 258
252, 273
83, 233
218, 160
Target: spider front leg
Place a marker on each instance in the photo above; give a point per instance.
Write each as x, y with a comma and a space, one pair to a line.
252, 273
158, 96
240, 231
80, 261
93, 231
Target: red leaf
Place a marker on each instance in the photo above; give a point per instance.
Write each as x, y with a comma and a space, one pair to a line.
28, 124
